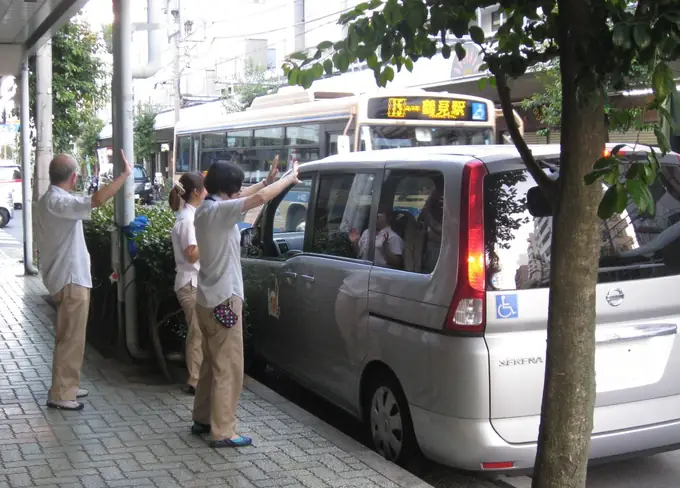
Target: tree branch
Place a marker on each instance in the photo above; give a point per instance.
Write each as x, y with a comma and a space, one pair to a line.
546, 184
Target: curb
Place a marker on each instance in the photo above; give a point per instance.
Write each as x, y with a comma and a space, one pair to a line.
506, 481
370, 458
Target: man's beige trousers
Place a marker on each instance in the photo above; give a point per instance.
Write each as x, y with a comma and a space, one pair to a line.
194, 350
221, 379
73, 306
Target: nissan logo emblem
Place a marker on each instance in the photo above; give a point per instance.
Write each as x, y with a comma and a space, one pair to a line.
615, 297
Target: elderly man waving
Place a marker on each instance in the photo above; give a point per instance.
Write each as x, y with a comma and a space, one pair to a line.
65, 268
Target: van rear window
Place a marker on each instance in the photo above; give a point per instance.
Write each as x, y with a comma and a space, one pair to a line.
633, 246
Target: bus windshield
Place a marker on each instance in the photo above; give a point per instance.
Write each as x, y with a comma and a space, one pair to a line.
394, 136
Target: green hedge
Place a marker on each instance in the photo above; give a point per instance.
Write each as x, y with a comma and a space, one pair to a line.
155, 278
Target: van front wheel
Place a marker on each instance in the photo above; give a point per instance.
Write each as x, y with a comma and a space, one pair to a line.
390, 423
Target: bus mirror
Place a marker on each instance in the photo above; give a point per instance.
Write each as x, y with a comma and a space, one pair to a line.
343, 144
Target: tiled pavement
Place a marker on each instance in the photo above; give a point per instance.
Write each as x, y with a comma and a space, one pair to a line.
132, 434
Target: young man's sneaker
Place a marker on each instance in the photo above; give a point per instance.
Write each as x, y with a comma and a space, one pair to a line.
82, 393
189, 390
238, 441
65, 405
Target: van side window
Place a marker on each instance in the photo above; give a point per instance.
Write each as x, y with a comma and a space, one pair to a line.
291, 213
410, 218
342, 212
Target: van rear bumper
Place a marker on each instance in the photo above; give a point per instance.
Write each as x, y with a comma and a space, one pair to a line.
467, 443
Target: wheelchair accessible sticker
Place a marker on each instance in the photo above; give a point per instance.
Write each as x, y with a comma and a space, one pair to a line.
506, 307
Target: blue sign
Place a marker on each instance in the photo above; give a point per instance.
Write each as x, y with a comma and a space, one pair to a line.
506, 307
479, 112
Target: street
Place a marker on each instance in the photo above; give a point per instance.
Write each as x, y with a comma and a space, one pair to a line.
659, 471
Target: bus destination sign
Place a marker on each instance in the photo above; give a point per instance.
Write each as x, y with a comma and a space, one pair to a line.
427, 108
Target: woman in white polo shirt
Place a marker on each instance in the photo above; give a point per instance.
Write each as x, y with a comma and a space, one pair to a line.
185, 197
219, 301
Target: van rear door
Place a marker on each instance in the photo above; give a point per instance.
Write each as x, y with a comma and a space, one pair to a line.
638, 311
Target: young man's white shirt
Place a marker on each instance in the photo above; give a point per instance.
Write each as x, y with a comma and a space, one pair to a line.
394, 243
64, 258
183, 236
220, 276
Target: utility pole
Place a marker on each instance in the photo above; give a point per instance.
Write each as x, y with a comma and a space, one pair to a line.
299, 22
177, 14
123, 115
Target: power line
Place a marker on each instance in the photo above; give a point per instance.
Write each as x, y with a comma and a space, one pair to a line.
245, 56
287, 27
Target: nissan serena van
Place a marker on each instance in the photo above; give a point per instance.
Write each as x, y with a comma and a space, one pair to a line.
412, 291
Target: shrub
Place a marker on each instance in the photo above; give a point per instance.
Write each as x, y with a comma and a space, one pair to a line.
155, 279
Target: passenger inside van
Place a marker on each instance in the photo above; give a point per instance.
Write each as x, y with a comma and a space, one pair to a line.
389, 246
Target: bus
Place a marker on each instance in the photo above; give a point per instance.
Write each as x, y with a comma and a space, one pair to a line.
306, 125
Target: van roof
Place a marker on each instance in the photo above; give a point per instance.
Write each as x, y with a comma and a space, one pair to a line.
485, 153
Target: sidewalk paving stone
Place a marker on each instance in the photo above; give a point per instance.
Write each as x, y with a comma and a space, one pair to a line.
136, 434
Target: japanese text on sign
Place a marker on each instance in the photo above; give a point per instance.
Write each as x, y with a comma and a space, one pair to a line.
400, 108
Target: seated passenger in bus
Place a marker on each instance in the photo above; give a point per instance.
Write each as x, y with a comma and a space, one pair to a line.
389, 246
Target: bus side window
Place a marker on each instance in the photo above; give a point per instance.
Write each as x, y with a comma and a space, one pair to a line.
183, 154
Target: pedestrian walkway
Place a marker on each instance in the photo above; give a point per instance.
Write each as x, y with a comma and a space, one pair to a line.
132, 434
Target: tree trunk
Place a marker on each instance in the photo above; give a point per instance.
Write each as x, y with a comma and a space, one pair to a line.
569, 390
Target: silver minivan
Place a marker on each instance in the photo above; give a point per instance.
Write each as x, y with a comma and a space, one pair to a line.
414, 294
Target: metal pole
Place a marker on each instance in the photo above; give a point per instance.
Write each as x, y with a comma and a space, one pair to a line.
123, 114
177, 80
300, 43
29, 268
43, 154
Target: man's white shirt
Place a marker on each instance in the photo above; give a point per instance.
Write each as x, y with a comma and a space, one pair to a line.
64, 258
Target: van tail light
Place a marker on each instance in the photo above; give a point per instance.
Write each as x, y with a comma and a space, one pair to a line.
467, 314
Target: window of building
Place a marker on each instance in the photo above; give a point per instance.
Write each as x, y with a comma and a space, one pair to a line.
497, 19
342, 210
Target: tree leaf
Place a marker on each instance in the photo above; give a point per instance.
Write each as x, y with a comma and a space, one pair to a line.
640, 194
661, 138
408, 64
621, 35
612, 202
328, 66
460, 51
477, 34
642, 35
293, 76
617, 149
662, 80
322, 46
446, 51
300, 56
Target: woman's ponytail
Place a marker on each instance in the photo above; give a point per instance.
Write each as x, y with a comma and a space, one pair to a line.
175, 197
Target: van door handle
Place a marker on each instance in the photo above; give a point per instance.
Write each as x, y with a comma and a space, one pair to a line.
636, 333
307, 278
289, 276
